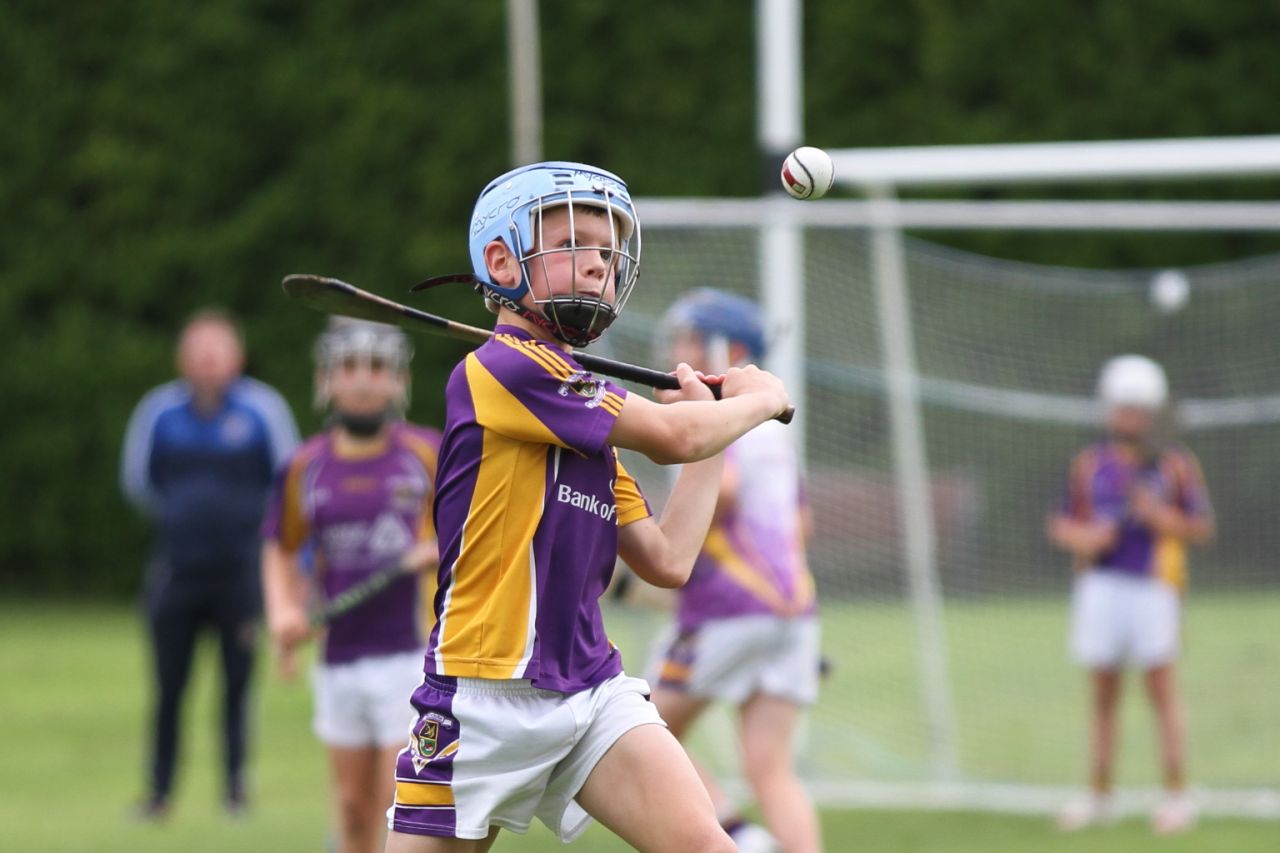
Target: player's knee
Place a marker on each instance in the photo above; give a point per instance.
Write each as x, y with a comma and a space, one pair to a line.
689, 832
763, 764
355, 814
709, 839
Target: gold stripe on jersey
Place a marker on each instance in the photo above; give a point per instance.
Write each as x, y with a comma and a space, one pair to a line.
498, 410
719, 548
423, 793
552, 355
554, 364
627, 497
557, 366
611, 403
294, 528
487, 623
543, 355
1171, 561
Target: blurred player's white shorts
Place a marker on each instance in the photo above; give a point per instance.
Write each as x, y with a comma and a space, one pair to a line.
487, 752
1119, 619
732, 659
365, 702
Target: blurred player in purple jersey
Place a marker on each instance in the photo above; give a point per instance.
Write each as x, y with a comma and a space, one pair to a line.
525, 710
1132, 506
746, 629
199, 456
358, 495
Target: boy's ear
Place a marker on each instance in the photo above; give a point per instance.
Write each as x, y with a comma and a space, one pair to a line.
502, 266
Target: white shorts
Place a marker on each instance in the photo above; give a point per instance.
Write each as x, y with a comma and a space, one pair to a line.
365, 702
1120, 619
488, 753
732, 659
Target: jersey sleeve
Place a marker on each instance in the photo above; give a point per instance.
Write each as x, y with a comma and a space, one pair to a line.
285, 522
527, 391
425, 446
630, 501
139, 440
1193, 494
1085, 502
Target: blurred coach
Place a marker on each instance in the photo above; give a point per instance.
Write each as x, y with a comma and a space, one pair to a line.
199, 457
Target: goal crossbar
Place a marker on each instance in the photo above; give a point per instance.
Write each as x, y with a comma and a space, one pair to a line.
964, 215
1058, 162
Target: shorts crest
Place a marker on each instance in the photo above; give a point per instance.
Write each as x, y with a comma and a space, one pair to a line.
426, 743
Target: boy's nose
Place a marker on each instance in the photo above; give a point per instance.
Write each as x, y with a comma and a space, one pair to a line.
593, 261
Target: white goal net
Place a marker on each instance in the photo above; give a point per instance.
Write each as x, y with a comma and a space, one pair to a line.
981, 708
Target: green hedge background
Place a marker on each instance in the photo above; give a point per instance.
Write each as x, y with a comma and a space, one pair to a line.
157, 157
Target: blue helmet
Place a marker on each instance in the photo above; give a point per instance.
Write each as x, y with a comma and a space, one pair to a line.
717, 313
509, 209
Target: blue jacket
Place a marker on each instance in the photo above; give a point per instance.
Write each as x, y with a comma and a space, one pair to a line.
205, 480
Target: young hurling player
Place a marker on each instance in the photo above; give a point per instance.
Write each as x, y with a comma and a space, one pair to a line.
1132, 506
746, 628
358, 496
524, 709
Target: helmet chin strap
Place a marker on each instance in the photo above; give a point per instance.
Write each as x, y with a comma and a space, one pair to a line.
572, 335
598, 315
590, 314
364, 426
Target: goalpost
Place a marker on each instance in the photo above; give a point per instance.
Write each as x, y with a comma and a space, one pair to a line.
945, 393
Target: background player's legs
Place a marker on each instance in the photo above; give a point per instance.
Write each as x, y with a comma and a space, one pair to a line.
173, 621
364, 786
1095, 807
1162, 689
768, 745
680, 710
1177, 812
237, 629
1106, 684
1158, 619
646, 791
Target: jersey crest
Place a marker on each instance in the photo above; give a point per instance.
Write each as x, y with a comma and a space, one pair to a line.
585, 385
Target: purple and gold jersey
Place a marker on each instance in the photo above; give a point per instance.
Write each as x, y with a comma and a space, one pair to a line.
529, 501
360, 515
753, 561
1102, 478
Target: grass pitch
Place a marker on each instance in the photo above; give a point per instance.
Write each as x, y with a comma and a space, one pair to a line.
74, 698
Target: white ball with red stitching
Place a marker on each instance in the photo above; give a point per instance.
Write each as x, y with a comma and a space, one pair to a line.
808, 173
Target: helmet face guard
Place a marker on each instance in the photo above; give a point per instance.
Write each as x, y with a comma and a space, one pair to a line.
514, 209
350, 343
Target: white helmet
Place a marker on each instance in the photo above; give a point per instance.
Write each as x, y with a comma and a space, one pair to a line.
366, 341
1132, 380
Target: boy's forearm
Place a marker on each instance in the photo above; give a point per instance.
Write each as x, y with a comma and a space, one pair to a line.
712, 427
690, 508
